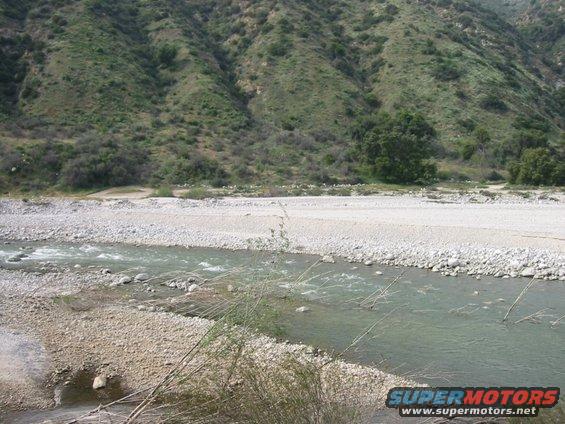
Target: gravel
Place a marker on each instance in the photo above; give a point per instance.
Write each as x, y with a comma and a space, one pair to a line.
141, 344
502, 235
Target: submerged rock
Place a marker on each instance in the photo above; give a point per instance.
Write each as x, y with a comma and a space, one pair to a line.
303, 309
17, 257
328, 259
141, 277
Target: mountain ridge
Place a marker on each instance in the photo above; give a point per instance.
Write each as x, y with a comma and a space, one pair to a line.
266, 89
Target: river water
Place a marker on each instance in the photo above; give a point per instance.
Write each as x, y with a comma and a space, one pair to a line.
437, 330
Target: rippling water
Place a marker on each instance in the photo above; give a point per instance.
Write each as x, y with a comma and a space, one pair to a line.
439, 330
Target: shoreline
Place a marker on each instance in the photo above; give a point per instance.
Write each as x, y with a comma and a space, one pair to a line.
511, 237
104, 332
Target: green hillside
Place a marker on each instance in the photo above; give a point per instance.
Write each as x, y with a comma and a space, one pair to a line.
261, 91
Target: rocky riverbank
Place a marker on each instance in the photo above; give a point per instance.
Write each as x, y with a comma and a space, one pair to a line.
81, 323
505, 235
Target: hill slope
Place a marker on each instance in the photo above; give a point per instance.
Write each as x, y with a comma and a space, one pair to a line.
258, 90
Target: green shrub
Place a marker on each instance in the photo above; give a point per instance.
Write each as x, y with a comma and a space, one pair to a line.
198, 193
191, 168
163, 191
397, 148
446, 71
537, 167
103, 161
526, 139
468, 149
167, 54
493, 103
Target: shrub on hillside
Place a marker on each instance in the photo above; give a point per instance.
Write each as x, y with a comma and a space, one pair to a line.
397, 148
103, 161
33, 166
526, 139
191, 168
167, 54
537, 167
446, 71
493, 103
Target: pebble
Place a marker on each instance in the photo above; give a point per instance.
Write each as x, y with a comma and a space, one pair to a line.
99, 382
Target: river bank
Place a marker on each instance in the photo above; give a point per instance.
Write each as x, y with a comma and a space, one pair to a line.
504, 235
80, 322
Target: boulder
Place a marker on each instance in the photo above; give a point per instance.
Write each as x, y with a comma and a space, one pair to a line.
125, 280
141, 277
528, 272
453, 262
193, 288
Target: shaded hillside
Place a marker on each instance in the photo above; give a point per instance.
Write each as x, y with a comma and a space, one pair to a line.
261, 90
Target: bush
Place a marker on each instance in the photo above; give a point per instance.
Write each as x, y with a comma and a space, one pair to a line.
446, 71
526, 139
198, 193
103, 162
167, 54
397, 147
493, 103
163, 191
191, 168
468, 149
537, 167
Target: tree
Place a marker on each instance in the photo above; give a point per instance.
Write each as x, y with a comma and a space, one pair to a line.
397, 148
528, 139
537, 166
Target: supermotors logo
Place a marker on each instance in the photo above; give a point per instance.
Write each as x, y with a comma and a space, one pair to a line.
471, 401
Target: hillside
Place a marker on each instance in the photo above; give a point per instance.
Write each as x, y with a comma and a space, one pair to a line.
269, 91
540, 21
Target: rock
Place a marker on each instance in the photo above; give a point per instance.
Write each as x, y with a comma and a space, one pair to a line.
99, 382
453, 262
368, 263
328, 259
390, 257
378, 273
193, 288
141, 277
231, 288
106, 271
125, 280
528, 272
17, 257
303, 309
